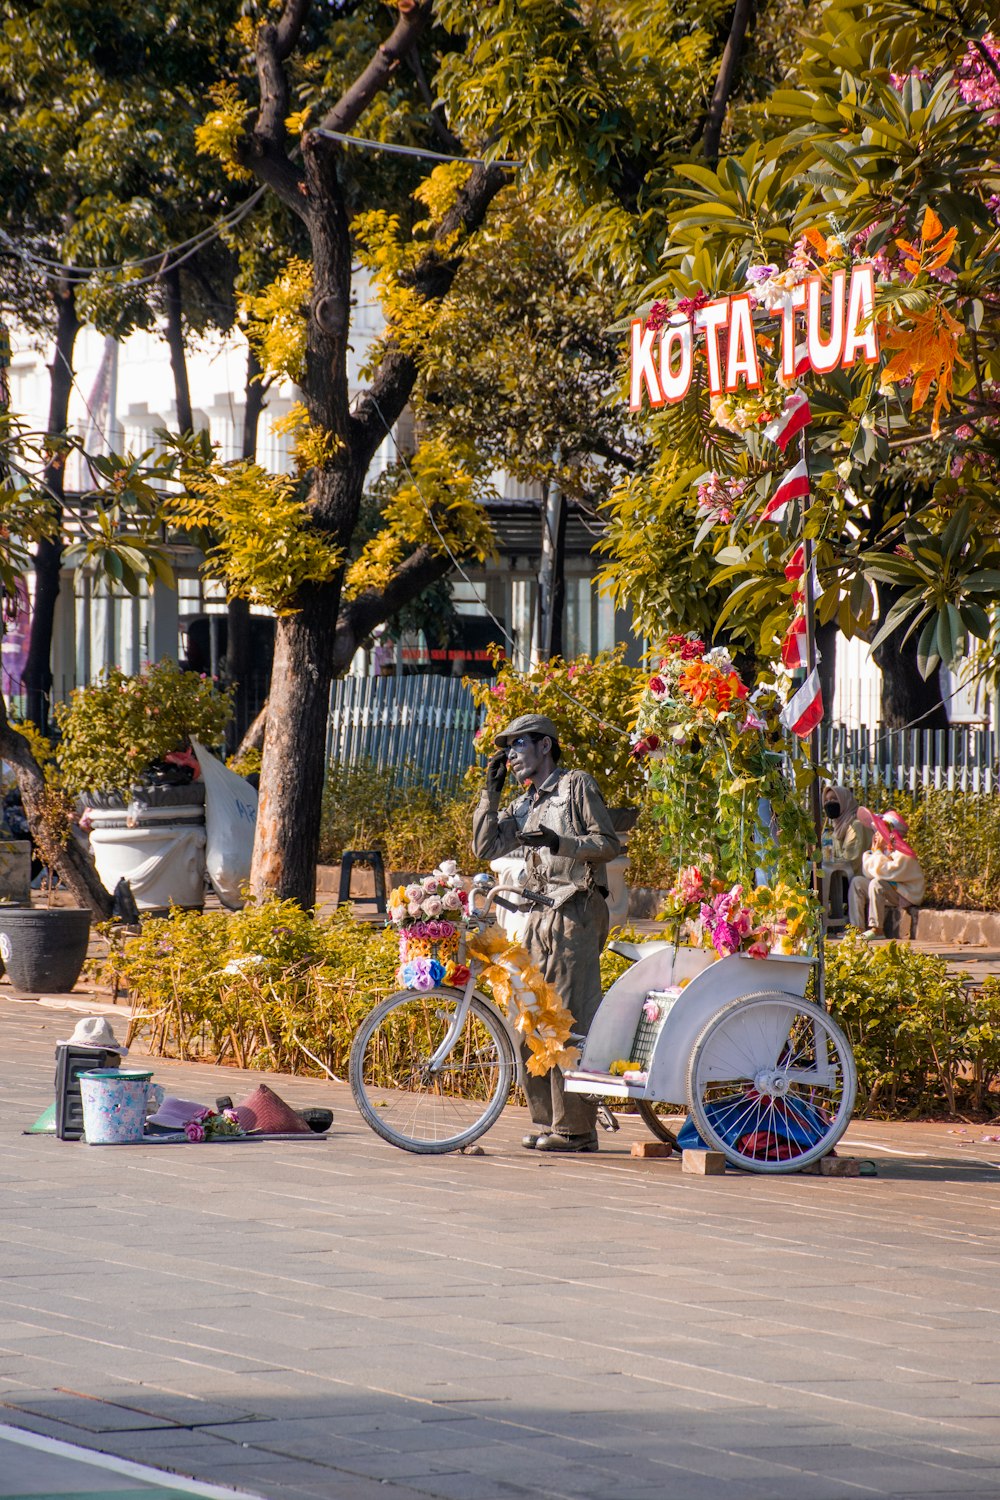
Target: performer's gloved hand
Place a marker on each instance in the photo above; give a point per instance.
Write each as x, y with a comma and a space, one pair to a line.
496, 775
541, 838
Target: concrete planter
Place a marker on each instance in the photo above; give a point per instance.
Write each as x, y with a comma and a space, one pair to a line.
43, 949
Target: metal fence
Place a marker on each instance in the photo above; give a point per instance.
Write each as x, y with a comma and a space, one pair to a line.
422, 726
962, 758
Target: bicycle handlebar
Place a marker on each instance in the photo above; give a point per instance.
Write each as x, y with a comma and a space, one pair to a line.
495, 896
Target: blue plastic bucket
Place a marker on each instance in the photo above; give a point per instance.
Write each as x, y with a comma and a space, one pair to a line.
114, 1105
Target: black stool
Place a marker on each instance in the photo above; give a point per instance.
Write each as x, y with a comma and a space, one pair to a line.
348, 860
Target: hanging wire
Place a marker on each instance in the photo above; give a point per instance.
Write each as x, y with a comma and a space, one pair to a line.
369, 145
164, 260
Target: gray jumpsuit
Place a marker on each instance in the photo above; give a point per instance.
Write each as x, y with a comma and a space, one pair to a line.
564, 941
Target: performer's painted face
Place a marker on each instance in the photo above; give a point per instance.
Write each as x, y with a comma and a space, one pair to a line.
525, 755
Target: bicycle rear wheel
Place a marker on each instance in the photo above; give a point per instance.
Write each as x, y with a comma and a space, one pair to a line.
772, 1082
402, 1100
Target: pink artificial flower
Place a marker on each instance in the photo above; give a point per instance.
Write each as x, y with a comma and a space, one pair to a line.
194, 1130
414, 908
430, 885
414, 892
433, 906
657, 687
759, 949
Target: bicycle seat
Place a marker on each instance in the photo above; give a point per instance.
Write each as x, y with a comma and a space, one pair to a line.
634, 951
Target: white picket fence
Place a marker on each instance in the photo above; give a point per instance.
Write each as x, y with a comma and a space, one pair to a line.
422, 726
963, 758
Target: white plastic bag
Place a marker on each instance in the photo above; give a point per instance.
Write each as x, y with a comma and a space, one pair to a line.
230, 820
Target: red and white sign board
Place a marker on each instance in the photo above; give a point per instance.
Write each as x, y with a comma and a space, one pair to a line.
662, 359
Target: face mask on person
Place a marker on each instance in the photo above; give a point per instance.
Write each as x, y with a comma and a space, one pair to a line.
832, 809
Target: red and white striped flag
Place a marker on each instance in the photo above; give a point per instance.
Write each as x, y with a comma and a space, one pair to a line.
795, 567
794, 415
794, 648
804, 709
793, 485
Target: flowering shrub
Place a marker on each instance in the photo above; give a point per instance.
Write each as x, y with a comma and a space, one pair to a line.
718, 785
214, 1125
114, 729
591, 701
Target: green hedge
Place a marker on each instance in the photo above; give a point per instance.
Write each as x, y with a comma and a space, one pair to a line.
923, 1038
271, 988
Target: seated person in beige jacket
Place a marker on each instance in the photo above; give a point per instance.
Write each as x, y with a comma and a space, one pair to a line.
891, 871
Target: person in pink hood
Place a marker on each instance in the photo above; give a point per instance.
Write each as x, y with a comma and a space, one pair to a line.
891, 871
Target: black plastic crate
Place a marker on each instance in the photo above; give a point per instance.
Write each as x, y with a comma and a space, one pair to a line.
71, 1061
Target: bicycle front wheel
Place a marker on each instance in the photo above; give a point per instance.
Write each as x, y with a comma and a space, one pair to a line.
402, 1099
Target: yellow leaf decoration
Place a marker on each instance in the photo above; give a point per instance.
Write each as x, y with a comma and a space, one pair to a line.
927, 352
539, 1013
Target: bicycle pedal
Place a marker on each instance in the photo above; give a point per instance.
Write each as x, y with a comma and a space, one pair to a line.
606, 1119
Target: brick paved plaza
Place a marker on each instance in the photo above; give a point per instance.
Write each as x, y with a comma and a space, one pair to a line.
339, 1319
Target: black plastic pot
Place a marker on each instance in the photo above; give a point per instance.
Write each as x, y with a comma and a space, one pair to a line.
43, 949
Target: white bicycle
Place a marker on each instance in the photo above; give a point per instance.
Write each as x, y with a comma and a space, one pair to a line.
767, 1076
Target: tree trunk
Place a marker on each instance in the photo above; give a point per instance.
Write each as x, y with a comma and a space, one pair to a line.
74, 865
47, 560
294, 765
174, 310
908, 700
238, 665
726, 78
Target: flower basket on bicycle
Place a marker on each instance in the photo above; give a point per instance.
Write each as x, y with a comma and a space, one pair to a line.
430, 916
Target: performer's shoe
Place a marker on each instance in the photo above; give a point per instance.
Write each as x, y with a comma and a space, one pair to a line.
530, 1141
556, 1142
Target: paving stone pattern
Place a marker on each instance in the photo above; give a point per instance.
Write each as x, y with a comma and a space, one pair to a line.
340, 1319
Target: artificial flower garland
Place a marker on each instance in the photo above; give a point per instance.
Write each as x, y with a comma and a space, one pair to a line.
542, 1019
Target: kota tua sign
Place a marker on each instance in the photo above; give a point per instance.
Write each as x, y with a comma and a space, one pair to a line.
836, 336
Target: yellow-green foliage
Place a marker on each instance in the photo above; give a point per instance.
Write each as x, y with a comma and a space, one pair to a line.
267, 546
591, 700
313, 447
262, 988
112, 730
415, 826
375, 566
223, 130
437, 504
391, 254
247, 764
276, 320
921, 1037
439, 191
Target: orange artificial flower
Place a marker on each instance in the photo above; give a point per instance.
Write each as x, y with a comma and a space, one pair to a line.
927, 353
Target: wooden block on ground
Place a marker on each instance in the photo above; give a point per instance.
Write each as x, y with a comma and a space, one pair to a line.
703, 1163
651, 1148
839, 1166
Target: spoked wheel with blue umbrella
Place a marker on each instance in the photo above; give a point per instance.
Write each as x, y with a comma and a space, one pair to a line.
771, 1082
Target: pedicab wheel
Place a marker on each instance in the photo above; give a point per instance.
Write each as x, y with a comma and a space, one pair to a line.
771, 1082
402, 1099
656, 1122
